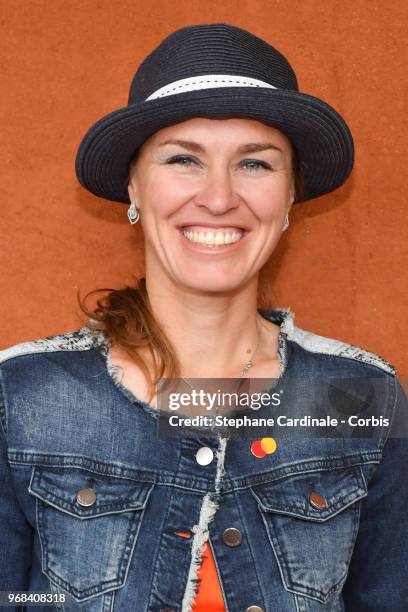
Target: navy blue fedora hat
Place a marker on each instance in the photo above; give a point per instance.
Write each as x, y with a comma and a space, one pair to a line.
216, 71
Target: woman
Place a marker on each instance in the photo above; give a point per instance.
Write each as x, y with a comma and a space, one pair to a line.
99, 508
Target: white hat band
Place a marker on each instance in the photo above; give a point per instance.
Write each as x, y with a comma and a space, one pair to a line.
207, 81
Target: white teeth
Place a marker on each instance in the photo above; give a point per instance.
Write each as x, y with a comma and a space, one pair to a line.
211, 239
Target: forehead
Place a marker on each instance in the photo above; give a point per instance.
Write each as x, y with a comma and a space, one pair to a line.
233, 131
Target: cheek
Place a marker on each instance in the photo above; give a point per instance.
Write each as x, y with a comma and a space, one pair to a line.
158, 202
269, 208
164, 195
269, 201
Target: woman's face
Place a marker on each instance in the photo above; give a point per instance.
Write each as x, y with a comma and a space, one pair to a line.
212, 194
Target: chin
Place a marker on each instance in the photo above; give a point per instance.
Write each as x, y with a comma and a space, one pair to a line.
210, 284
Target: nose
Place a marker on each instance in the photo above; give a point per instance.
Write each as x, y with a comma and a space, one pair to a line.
217, 192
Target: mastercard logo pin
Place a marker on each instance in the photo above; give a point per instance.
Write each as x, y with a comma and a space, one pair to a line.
265, 446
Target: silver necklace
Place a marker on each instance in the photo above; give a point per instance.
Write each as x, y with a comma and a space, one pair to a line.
247, 364
245, 368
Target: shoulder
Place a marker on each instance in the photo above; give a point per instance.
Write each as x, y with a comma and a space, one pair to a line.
81, 339
323, 345
369, 378
32, 372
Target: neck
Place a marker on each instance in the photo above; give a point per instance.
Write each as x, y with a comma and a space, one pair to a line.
213, 335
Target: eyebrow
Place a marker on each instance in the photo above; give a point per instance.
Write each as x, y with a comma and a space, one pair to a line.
251, 147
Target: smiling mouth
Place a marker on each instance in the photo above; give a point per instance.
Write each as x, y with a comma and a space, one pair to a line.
212, 237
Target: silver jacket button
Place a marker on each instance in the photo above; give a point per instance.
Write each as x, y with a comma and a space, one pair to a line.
86, 497
204, 455
254, 609
232, 536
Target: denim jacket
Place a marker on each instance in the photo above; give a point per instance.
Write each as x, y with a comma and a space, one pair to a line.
92, 500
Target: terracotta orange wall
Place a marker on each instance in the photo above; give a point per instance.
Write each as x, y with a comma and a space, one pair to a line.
342, 266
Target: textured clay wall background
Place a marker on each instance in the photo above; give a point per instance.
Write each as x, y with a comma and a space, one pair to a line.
341, 266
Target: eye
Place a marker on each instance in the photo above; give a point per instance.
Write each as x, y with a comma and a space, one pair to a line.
180, 159
187, 161
255, 164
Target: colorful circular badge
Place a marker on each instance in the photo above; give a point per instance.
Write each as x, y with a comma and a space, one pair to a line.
265, 446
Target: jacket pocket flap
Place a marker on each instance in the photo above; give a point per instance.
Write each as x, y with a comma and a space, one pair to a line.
86, 494
314, 496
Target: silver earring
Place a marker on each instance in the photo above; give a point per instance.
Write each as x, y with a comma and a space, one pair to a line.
133, 213
285, 223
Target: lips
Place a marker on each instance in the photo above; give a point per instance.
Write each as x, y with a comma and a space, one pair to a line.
212, 238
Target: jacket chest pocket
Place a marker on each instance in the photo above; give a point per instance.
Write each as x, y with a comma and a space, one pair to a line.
312, 521
88, 526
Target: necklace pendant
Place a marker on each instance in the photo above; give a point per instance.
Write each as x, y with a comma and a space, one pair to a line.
246, 367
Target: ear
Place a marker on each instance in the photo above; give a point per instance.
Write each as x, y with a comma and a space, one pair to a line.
133, 190
291, 194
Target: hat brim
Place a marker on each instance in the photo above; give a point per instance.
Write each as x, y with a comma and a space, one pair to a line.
320, 136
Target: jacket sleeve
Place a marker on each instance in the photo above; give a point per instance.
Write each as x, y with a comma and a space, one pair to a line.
16, 533
378, 573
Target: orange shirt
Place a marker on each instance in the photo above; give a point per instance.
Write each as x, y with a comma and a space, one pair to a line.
209, 596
